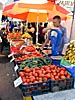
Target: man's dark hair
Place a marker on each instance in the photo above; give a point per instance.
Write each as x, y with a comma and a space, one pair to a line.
57, 17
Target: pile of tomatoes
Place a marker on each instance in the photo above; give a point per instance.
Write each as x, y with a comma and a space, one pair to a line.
25, 49
28, 49
15, 49
32, 75
28, 56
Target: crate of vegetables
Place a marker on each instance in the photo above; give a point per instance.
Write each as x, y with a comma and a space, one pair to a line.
35, 81
60, 79
22, 57
33, 62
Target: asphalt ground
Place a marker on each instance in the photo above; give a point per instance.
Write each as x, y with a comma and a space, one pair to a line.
7, 77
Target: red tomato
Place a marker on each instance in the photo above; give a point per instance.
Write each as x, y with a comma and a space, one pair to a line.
38, 54
28, 70
42, 69
48, 75
66, 73
45, 67
54, 73
41, 75
31, 73
40, 79
32, 78
63, 77
22, 74
48, 68
48, 71
27, 77
40, 72
26, 74
23, 79
58, 74
44, 72
63, 69
52, 67
52, 78
68, 76
35, 74
25, 68
62, 72
53, 70
56, 78
28, 80
58, 71
36, 68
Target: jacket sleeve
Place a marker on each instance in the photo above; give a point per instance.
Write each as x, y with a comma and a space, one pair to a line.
65, 35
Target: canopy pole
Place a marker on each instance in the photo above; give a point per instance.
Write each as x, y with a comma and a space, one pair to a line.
72, 21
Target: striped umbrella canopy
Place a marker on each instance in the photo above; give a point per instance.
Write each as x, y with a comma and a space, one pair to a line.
32, 11
26, 10
58, 10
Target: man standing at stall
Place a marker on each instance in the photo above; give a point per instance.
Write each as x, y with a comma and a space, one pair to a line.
57, 36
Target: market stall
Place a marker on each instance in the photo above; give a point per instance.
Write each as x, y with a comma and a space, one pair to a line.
36, 73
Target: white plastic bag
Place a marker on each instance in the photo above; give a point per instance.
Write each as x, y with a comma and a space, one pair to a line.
0, 39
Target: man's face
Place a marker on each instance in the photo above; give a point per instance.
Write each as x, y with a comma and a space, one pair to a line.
56, 22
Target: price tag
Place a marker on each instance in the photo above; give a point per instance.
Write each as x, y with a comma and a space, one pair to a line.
17, 82
12, 59
16, 68
10, 55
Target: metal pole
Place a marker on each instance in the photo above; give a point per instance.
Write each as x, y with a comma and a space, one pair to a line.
72, 21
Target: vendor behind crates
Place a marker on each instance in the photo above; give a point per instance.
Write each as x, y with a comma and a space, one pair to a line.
56, 36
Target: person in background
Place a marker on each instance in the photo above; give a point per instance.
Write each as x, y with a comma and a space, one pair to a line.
4, 41
41, 34
46, 34
32, 31
57, 36
7, 27
11, 25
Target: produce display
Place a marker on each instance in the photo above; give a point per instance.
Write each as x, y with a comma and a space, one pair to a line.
16, 49
33, 75
14, 35
70, 53
38, 74
26, 35
28, 49
28, 56
33, 62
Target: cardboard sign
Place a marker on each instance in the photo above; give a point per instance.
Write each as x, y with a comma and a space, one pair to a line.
17, 82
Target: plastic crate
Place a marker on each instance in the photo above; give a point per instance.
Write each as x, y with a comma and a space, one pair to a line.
35, 89
58, 85
56, 62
